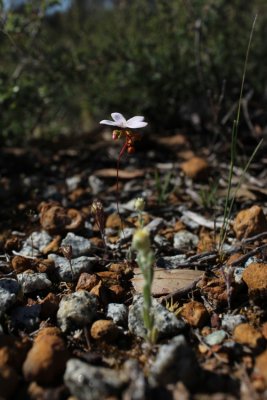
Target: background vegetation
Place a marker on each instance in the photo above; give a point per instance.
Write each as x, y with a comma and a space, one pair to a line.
175, 61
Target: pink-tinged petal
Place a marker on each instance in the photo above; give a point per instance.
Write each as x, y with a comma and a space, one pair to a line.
107, 122
136, 124
119, 119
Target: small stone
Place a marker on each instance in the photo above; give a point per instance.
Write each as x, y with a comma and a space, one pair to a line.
229, 322
77, 310
174, 362
49, 306
26, 317
109, 277
45, 266
264, 330
13, 351
38, 392
21, 264
195, 314
28, 251
56, 219
121, 269
48, 331
155, 225
195, 168
38, 240
104, 329
46, 360
238, 275
33, 281
215, 289
73, 182
118, 313
161, 241
250, 222
53, 246
126, 234
113, 221
136, 390
87, 281
255, 277
88, 382
100, 291
9, 380
13, 243
79, 265
80, 245
247, 335
165, 322
184, 240
96, 184
260, 368
250, 260
97, 242
117, 292
215, 338
9, 289
170, 261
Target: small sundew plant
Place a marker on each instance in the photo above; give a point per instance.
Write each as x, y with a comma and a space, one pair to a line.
124, 131
97, 211
145, 259
67, 253
139, 206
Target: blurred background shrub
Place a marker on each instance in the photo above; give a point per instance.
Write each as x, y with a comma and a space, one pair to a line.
178, 62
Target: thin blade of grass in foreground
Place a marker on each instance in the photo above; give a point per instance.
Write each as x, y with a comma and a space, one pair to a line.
228, 206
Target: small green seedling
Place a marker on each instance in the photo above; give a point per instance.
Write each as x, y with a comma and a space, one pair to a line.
139, 205
208, 195
145, 259
162, 186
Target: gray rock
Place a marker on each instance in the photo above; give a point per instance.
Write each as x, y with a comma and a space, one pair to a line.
165, 322
26, 317
161, 241
79, 265
189, 222
238, 274
118, 313
39, 240
96, 184
27, 251
184, 240
229, 322
76, 310
80, 245
250, 260
175, 361
73, 182
88, 382
9, 289
137, 387
171, 261
31, 282
155, 225
127, 234
216, 337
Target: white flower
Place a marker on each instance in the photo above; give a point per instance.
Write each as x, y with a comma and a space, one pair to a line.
120, 121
